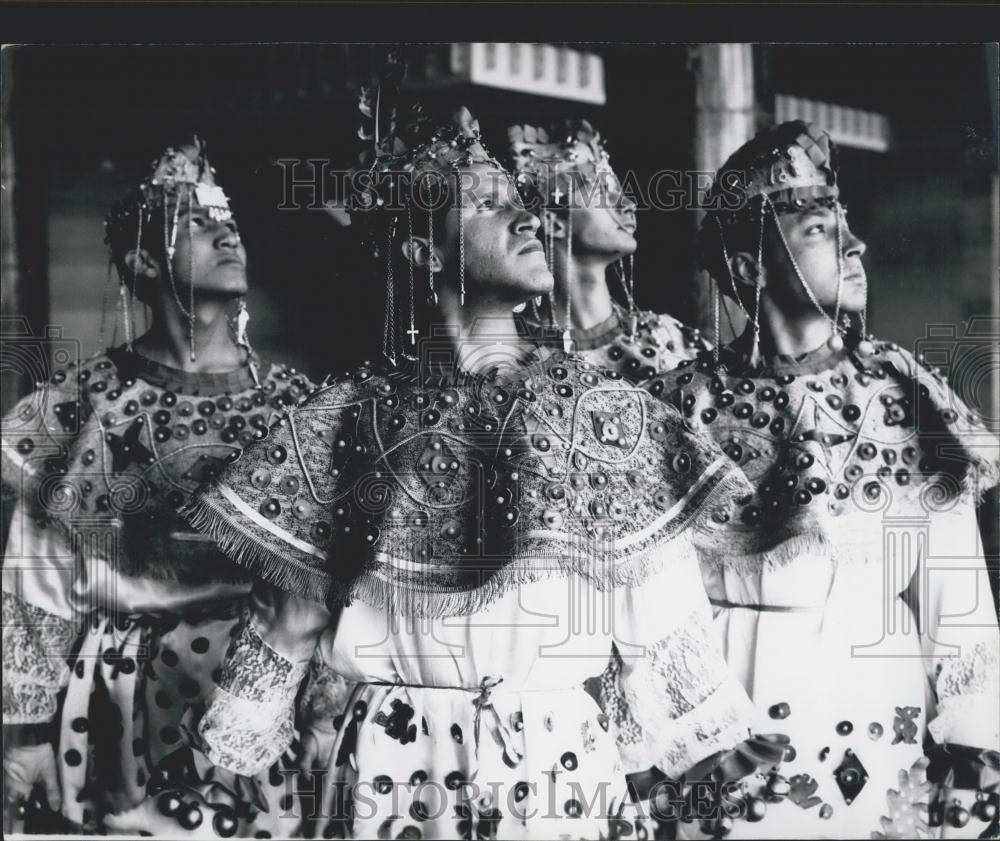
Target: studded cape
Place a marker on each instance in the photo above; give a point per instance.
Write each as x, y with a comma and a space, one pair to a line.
657, 344
432, 495
110, 447
835, 434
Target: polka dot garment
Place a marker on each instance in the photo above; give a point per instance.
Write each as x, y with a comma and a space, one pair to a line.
121, 441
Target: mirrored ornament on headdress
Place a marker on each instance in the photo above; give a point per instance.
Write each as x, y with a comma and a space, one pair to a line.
177, 170
179, 174
798, 167
546, 160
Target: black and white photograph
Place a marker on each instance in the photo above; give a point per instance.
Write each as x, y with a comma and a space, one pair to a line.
420, 439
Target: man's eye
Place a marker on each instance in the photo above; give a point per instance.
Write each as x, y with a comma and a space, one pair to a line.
197, 220
815, 229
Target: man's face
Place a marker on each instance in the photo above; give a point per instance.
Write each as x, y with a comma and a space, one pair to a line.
604, 219
209, 253
504, 260
812, 240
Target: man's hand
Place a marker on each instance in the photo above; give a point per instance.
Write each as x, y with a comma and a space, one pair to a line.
27, 760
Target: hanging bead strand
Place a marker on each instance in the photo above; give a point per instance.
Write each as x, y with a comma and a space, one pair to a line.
567, 334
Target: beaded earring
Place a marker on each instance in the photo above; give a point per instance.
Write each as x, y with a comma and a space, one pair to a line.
755, 352
567, 333
716, 326
243, 338
430, 257
389, 325
836, 341
190, 233
627, 280
461, 256
413, 332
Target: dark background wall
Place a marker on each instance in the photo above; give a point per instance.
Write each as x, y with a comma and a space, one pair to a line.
87, 121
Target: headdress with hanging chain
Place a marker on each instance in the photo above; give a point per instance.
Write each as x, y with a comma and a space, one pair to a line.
410, 167
550, 164
180, 176
782, 170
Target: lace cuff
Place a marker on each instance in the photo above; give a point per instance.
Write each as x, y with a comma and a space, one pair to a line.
250, 721
325, 696
36, 646
968, 701
677, 705
720, 722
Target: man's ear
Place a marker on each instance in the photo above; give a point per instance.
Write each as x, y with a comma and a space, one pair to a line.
556, 224
744, 270
419, 252
141, 264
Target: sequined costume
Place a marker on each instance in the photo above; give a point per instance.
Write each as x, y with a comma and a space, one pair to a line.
658, 343
116, 613
852, 599
460, 517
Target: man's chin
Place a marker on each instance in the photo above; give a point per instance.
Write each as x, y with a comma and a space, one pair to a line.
629, 244
854, 299
537, 280
541, 285
223, 288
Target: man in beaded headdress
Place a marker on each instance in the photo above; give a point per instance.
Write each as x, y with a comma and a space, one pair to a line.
852, 599
588, 227
116, 613
412, 519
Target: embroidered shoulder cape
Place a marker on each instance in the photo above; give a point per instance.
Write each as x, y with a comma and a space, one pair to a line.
435, 494
835, 435
109, 448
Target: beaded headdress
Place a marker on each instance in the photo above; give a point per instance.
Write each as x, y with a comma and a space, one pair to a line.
546, 160
180, 175
411, 165
784, 169
550, 164
792, 164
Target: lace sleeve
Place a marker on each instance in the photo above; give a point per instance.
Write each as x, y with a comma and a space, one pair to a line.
961, 641
967, 694
677, 704
36, 646
250, 720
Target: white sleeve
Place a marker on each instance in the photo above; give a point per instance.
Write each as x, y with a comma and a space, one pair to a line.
668, 691
961, 642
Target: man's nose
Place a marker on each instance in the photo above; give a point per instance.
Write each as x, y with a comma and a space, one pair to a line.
526, 223
854, 246
227, 237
